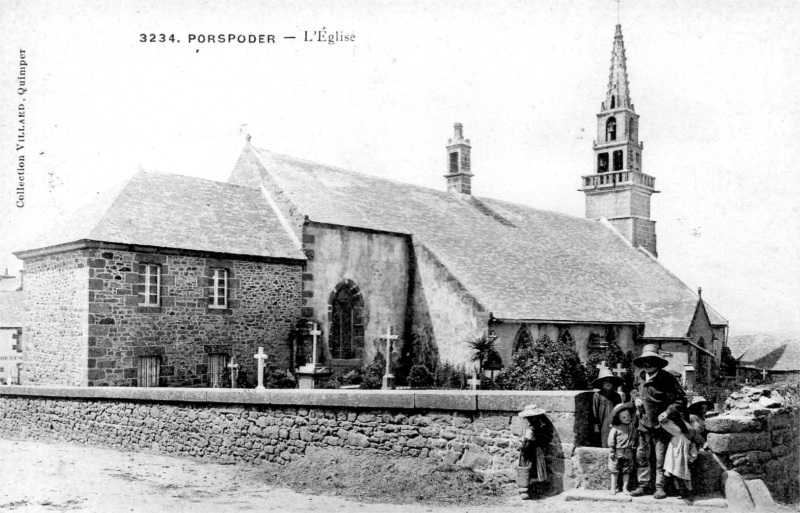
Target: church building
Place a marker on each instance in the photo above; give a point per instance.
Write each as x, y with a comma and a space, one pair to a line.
166, 278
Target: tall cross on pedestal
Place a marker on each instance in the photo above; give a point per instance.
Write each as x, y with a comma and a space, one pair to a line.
233, 366
314, 332
474, 383
261, 357
619, 371
389, 337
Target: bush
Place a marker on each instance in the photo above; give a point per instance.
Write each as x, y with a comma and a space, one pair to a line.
242, 380
274, 378
546, 365
449, 376
420, 377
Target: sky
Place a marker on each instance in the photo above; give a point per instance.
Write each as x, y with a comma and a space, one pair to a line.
717, 86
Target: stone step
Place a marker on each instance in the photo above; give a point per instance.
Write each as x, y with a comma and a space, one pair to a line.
706, 501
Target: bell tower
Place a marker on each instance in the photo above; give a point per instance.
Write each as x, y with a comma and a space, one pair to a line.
459, 174
618, 190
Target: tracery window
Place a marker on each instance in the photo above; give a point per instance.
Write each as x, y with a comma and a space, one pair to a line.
343, 323
524, 339
565, 337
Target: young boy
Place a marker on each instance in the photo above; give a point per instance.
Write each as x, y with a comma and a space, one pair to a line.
603, 403
621, 442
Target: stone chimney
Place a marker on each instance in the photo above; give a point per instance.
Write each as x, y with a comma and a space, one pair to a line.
459, 177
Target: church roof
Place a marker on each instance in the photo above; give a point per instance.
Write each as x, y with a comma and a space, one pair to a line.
518, 262
181, 212
774, 353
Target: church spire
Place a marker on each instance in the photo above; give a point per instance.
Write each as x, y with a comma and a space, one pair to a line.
619, 190
618, 94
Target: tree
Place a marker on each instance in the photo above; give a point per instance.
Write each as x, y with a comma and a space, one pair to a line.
547, 365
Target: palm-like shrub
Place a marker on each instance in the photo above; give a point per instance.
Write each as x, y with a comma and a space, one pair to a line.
482, 349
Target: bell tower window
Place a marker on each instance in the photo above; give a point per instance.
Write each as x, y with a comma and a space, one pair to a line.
453, 163
613, 101
602, 162
611, 129
618, 160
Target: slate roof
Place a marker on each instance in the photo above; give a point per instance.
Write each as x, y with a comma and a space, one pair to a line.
517, 261
174, 211
769, 352
12, 311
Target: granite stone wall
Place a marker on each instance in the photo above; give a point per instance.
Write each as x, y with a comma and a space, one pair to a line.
279, 426
55, 333
88, 325
759, 437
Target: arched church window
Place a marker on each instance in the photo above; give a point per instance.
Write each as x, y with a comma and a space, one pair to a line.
602, 162
524, 339
611, 129
618, 160
565, 337
346, 337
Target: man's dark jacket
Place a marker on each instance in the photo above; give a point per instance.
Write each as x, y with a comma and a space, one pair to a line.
657, 395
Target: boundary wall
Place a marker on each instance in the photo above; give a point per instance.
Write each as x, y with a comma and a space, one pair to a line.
477, 429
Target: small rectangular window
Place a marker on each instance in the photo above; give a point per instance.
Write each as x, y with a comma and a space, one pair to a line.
453, 163
219, 288
149, 370
151, 278
216, 364
602, 162
618, 160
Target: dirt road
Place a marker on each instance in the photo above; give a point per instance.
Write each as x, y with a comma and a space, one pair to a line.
36, 476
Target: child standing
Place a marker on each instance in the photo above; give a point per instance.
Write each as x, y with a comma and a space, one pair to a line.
532, 462
621, 443
603, 403
681, 451
697, 417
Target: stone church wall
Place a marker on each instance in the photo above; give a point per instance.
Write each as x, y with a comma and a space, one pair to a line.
507, 333
55, 335
375, 263
480, 430
104, 332
445, 315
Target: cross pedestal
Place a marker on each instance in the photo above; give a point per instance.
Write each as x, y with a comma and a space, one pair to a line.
234, 367
261, 358
388, 378
310, 374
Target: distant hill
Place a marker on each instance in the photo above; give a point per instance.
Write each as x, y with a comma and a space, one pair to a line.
775, 352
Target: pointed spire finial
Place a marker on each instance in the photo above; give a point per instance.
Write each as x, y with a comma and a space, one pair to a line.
700, 292
618, 6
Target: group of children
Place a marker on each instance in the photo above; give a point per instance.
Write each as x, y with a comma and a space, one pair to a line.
616, 422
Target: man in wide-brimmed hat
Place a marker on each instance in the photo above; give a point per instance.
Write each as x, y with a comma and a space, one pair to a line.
657, 390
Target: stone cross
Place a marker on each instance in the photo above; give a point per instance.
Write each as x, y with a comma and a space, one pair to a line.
474, 383
233, 366
314, 332
261, 357
388, 378
619, 371
601, 365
